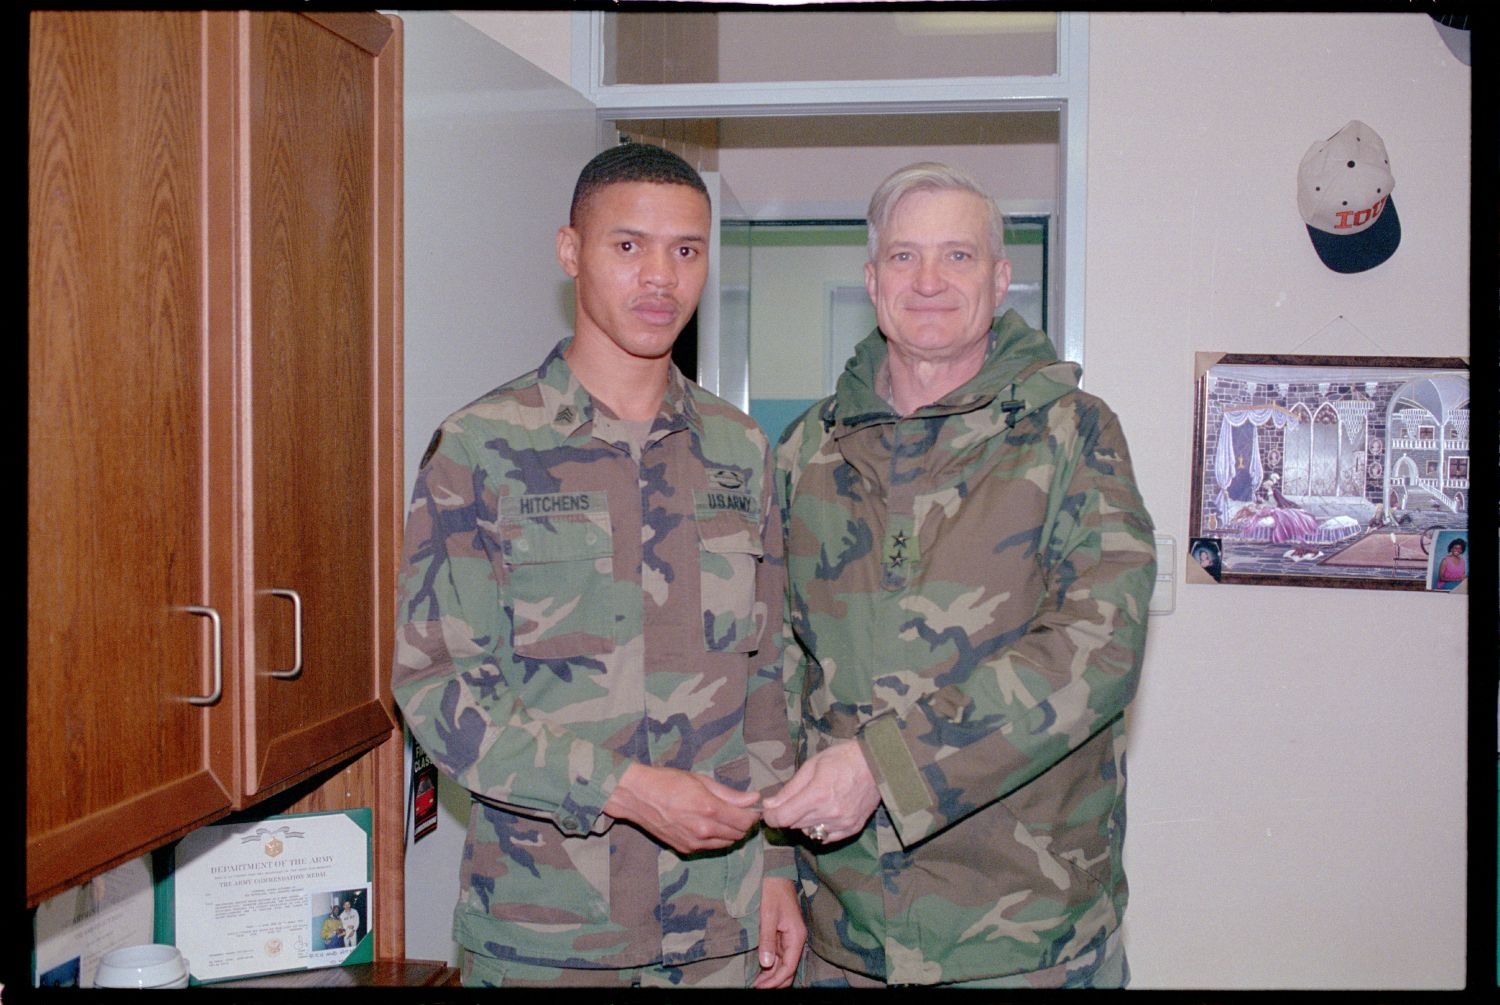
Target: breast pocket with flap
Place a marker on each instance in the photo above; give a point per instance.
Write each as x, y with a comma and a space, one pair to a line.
730, 553
558, 554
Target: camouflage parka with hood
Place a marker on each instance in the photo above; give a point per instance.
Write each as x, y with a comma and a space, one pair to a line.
968, 589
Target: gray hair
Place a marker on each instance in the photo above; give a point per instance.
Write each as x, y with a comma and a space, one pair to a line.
929, 176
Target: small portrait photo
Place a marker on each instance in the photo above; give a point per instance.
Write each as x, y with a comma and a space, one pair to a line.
1448, 562
328, 927
1204, 552
339, 919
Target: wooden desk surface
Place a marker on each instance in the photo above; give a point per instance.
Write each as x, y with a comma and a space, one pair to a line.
380, 974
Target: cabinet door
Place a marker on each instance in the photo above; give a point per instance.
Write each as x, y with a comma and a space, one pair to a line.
127, 464
322, 128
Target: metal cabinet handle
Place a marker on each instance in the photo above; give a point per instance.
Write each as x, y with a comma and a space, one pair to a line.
211, 615
296, 670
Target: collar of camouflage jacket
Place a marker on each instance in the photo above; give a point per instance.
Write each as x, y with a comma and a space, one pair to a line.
572, 407
1021, 373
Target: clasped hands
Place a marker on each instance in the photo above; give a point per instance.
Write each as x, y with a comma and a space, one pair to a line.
830, 798
685, 811
690, 813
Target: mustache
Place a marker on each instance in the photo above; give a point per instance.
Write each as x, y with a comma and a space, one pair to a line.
656, 300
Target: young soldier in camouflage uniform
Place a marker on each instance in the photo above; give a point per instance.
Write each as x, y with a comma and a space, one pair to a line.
969, 566
590, 631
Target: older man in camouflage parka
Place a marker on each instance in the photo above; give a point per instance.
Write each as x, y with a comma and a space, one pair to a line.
969, 566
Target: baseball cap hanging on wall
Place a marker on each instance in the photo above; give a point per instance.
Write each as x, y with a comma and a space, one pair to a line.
1344, 193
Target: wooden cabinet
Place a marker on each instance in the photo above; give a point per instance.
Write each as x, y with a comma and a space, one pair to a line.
214, 462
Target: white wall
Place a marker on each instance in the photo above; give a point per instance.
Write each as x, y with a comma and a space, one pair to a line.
543, 38
1298, 756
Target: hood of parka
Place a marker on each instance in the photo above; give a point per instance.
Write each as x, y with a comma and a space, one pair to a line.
1020, 364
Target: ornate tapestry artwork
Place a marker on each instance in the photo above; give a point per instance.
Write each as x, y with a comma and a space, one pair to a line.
1332, 471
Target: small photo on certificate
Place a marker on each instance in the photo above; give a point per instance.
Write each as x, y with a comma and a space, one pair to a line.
340, 921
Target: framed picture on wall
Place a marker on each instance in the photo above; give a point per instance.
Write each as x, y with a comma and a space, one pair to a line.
1330, 471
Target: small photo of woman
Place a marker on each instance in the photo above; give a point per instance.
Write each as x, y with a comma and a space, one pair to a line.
1450, 563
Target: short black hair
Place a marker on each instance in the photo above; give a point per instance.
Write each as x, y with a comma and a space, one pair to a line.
632, 162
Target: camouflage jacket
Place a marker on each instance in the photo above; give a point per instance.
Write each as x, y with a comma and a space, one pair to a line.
566, 610
967, 600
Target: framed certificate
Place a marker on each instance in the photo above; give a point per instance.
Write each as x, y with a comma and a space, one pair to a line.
290, 892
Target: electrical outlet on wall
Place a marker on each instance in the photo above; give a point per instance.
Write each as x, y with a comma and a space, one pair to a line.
1164, 597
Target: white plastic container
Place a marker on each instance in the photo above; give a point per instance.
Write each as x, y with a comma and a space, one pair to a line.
150, 966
